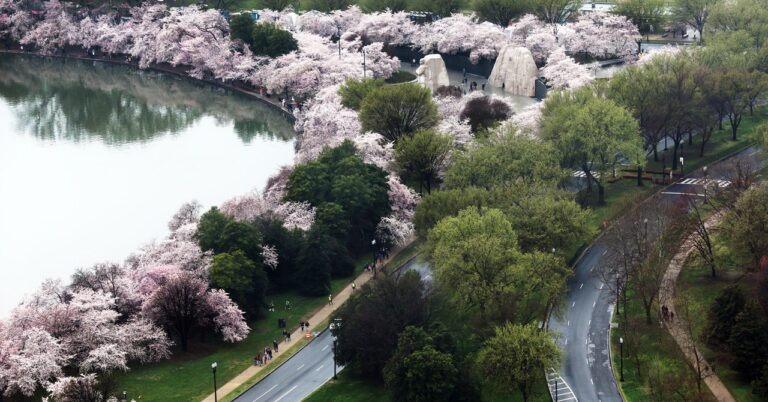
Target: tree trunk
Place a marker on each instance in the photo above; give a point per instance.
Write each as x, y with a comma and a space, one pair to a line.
600, 194
690, 137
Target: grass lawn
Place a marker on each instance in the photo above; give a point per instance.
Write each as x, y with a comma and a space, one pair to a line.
653, 364
697, 283
187, 376
350, 389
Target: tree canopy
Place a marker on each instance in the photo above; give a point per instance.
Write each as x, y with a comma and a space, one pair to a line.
398, 110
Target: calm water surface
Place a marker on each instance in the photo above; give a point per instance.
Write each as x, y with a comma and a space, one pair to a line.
95, 159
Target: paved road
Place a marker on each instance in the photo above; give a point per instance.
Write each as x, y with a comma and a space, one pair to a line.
310, 368
585, 323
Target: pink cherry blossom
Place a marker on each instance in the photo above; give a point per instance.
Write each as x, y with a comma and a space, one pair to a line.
562, 72
269, 255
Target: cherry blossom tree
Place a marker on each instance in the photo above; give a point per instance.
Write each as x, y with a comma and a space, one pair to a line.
269, 255
188, 213
461, 34
83, 388
528, 120
15, 21
535, 35
30, 359
56, 30
319, 23
386, 27
181, 301
375, 149
650, 54
562, 72
327, 123
603, 35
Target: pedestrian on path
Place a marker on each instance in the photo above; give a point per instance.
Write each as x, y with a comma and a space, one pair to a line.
287, 304
275, 346
330, 300
354, 286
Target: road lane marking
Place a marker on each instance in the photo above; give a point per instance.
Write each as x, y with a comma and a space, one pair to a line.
319, 368
582, 285
574, 304
601, 286
605, 252
285, 394
590, 323
590, 380
324, 348
268, 391
566, 341
569, 323
300, 367
594, 303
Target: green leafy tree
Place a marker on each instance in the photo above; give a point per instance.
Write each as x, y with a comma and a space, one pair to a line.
325, 5
500, 12
289, 245
313, 274
210, 230
354, 91
440, 204
591, 134
555, 11
277, 5
693, 13
421, 158
748, 343
418, 370
381, 5
243, 279
510, 160
442, 8
546, 221
747, 224
340, 176
476, 255
398, 110
516, 356
722, 315
373, 318
241, 27
648, 15
268, 39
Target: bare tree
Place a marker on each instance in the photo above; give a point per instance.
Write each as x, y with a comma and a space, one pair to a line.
701, 235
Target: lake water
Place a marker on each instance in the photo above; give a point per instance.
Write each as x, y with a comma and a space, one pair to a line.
96, 158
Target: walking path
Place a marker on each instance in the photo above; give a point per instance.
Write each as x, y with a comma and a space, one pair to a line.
677, 326
317, 319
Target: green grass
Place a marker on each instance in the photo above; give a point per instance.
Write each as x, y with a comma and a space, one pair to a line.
698, 285
187, 376
349, 389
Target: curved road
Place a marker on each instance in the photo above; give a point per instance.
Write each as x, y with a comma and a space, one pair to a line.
585, 324
583, 328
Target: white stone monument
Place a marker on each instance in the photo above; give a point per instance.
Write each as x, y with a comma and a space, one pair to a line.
432, 72
515, 71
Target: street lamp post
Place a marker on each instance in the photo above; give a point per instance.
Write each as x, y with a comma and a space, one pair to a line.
373, 248
338, 34
645, 222
621, 353
705, 184
215, 392
682, 162
363, 63
557, 397
125, 395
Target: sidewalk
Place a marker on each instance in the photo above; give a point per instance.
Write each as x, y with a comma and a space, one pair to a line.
676, 327
318, 318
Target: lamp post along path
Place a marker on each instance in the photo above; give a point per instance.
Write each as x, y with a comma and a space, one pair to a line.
214, 365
